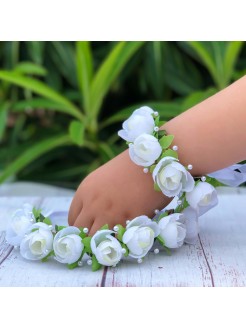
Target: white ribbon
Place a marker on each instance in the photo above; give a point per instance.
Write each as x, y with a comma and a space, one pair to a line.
229, 176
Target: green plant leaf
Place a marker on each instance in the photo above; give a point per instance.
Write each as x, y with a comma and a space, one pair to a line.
156, 187
33, 153
72, 265
104, 227
41, 89
3, 118
232, 52
77, 131
109, 71
36, 212
166, 141
95, 264
87, 243
30, 68
120, 232
47, 221
84, 71
170, 152
36, 103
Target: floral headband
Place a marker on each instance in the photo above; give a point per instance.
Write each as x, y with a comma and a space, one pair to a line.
31, 230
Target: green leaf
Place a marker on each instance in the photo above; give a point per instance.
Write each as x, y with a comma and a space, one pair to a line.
232, 52
36, 103
32, 154
30, 68
95, 264
87, 243
41, 89
156, 187
126, 248
36, 212
163, 215
45, 259
104, 227
109, 70
170, 152
77, 131
72, 265
47, 221
82, 233
84, 71
3, 118
120, 232
151, 168
166, 141
59, 228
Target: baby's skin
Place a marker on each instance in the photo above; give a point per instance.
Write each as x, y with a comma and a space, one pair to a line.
210, 136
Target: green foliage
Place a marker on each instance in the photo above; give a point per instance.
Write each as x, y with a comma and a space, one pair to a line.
58, 96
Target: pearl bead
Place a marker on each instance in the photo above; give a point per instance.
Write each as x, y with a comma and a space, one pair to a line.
156, 113
156, 129
190, 167
175, 147
50, 227
156, 251
46, 251
145, 170
85, 230
128, 221
89, 262
157, 211
123, 251
140, 261
16, 247
203, 178
116, 229
179, 202
80, 263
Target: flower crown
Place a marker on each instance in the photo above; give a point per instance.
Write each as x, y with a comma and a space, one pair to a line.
38, 239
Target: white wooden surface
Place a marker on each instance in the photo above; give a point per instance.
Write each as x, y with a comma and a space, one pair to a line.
218, 258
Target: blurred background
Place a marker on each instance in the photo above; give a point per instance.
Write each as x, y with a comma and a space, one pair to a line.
62, 103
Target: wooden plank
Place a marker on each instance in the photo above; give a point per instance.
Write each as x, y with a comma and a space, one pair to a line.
223, 237
185, 267
16, 271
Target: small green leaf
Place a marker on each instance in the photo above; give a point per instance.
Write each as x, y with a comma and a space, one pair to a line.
163, 215
36, 212
156, 187
82, 233
152, 167
47, 221
170, 152
45, 259
104, 227
95, 264
35, 229
72, 265
161, 133
121, 232
160, 125
76, 132
87, 243
126, 248
59, 228
166, 141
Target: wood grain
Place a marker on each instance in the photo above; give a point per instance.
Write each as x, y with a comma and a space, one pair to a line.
218, 258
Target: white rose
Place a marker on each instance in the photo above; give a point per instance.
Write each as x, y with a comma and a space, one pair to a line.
172, 230
68, 245
145, 150
139, 236
172, 177
141, 121
202, 198
20, 222
106, 248
191, 224
38, 243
